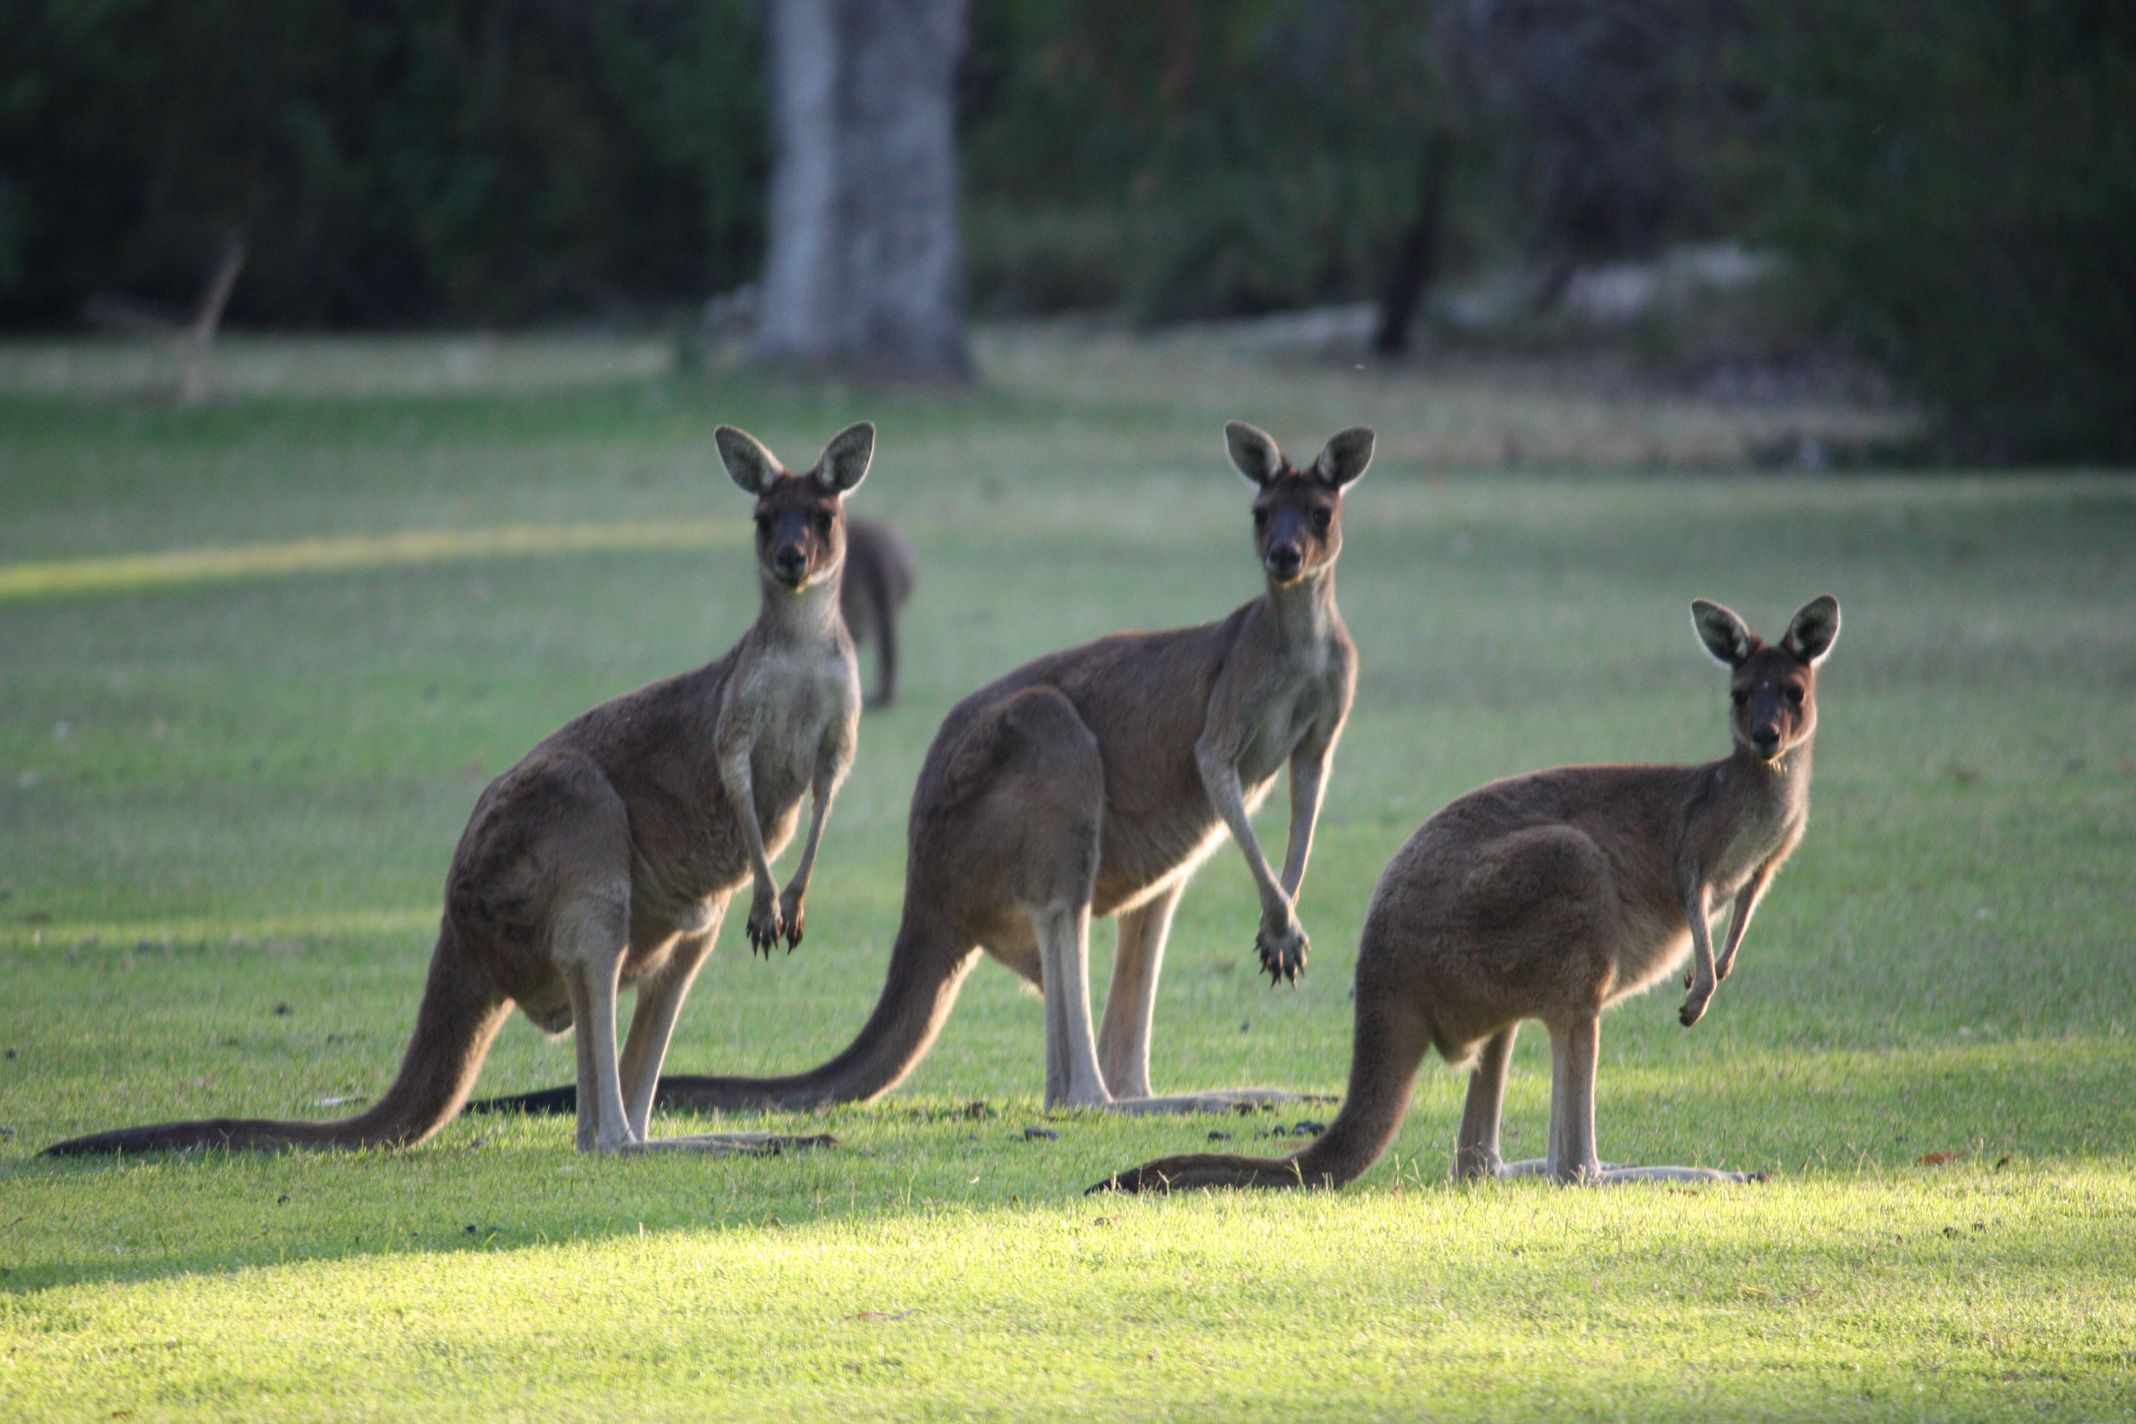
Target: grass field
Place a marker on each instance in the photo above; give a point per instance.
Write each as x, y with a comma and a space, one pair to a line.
257, 659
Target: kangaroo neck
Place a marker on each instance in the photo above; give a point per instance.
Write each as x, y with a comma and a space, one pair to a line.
800, 616
1783, 782
1304, 608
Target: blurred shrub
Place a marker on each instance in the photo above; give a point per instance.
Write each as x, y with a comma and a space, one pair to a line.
1190, 159
396, 161
1957, 181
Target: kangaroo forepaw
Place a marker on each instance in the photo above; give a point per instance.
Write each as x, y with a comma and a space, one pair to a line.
791, 912
1283, 960
766, 926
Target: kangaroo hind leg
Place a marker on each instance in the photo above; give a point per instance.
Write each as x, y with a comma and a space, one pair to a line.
1574, 1050
591, 934
652, 1023
1130, 1008
1033, 837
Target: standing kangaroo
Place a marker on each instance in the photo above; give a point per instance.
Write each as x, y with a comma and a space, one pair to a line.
1092, 782
878, 580
1553, 896
608, 853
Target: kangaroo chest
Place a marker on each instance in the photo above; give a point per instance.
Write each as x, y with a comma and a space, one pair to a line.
1755, 829
1288, 707
784, 705
794, 698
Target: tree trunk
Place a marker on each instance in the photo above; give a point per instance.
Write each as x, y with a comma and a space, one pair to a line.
1416, 261
863, 269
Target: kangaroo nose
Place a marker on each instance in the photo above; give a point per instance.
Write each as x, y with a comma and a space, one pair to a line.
790, 562
1284, 559
1765, 736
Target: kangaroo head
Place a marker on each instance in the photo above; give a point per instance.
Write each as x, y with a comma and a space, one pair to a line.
1773, 689
800, 519
1297, 518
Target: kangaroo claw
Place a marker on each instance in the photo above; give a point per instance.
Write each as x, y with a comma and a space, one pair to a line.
1281, 964
764, 932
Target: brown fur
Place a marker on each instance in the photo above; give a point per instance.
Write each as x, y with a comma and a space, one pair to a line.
1092, 782
879, 576
608, 853
1554, 896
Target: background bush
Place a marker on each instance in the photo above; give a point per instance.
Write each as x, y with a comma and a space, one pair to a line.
396, 161
1956, 180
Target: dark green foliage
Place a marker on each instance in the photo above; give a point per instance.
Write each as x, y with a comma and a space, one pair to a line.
1190, 159
1957, 179
395, 161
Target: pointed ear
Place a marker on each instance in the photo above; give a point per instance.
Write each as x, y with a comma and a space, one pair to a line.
748, 463
1345, 457
845, 460
1726, 636
1253, 452
1815, 629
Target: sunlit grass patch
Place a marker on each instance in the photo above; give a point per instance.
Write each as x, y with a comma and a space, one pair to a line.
229, 791
67, 577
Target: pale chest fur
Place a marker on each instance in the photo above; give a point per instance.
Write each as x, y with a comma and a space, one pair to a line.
1299, 695
1762, 817
791, 697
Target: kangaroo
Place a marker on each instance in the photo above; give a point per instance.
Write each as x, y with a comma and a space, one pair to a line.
878, 580
1093, 782
608, 853
1553, 896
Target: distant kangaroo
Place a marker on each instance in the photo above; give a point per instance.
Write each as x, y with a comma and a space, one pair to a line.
878, 580
1553, 896
1093, 782
608, 853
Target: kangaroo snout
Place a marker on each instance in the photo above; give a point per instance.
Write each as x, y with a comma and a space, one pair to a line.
790, 565
1765, 737
1284, 560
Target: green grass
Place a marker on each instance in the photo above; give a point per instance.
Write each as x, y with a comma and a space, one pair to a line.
231, 776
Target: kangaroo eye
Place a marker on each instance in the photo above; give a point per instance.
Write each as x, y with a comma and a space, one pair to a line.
1260, 519
1794, 696
823, 521
1321, 520
763, 522
1739, 696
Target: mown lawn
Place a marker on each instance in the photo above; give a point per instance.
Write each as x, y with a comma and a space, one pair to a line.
231, 776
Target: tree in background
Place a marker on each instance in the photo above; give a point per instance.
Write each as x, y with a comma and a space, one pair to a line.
1956, 180
863, 269
396, 161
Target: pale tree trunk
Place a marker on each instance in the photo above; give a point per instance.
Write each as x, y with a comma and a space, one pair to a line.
863, 268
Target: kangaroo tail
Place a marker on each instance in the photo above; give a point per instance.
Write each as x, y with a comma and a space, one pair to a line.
1391, 1042
460, 1013
927, 968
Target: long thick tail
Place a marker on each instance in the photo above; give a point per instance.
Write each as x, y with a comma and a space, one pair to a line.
1391, 1041
927, 968
460, 1013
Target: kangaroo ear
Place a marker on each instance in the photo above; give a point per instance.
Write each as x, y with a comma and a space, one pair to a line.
748, 463
1345, 457
1726, 636
1253, 452
845, 460
1815, 629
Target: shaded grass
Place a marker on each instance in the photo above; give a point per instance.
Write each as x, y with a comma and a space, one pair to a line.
225, 809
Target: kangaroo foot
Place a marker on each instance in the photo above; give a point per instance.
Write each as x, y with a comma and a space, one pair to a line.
1610, 1173
722, 1144
1216, 1100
